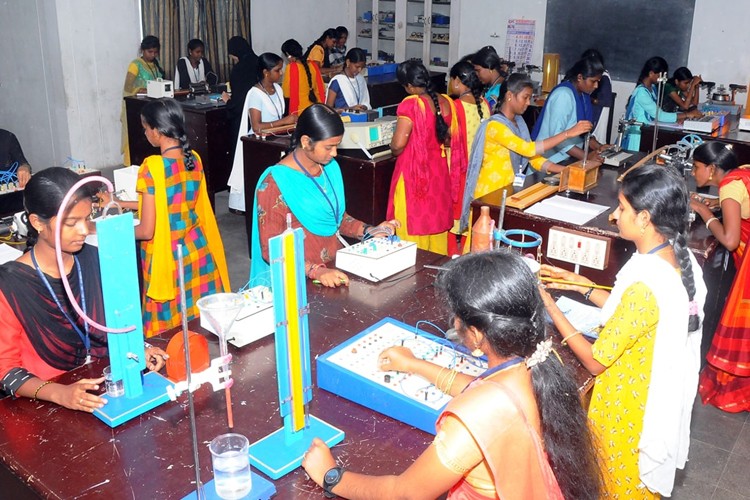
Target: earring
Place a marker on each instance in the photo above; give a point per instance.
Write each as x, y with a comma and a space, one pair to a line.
711, 174
477, 352
643, 230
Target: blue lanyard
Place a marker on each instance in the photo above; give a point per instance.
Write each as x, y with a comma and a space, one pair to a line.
355, 89
308, 174
501, 366
657, 248
84, 338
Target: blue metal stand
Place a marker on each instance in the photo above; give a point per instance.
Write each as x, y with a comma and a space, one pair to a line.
263, 489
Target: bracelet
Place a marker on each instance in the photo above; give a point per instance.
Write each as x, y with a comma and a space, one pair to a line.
709, 221
146, 345
451, 379
565, 340
587, 295
365, 228
36, 392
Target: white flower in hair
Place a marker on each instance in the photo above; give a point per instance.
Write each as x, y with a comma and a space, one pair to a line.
541, 353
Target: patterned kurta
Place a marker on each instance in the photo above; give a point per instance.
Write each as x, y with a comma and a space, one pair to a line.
201, 273
618, 402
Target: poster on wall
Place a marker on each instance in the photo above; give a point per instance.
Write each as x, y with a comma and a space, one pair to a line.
519, 41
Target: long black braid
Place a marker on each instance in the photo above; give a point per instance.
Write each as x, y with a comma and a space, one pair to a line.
464, 71
415, 74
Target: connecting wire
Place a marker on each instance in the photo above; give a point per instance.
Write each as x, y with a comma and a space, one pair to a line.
9, 175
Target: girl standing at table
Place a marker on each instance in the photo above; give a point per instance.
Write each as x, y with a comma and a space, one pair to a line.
602, 98
503, 146
567, 104
642, 106
725, 380
488, 66
307, 185
41, 335
140, 71
302, 84
265, 108
318, 51
420, 193
348, 90
518, 431
174, 208
646, 358
471, 109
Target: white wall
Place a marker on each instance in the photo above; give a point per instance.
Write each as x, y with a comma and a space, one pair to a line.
274, 22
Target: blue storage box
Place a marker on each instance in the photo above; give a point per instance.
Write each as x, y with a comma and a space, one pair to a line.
382, 69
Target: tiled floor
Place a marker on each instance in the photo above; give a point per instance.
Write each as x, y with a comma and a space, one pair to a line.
720, 445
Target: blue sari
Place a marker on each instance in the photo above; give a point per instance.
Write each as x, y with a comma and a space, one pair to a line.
318, 212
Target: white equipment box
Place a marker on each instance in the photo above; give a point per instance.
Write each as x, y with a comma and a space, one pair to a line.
125, 181
159, 88
377, 258
367, 135
745, 123
705, 124
255, 320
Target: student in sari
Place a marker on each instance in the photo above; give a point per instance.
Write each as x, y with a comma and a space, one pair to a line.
174, 208
302, 84
318, 51
489, 68
41, 335
471, 109
642, 106
646, 358
307, 185
348, 90
682, 91
140, 71
518, 431
420, 193
567, 104
725, 380
503, 147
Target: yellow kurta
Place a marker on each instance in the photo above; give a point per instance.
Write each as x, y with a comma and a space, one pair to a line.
497, 171
618, 402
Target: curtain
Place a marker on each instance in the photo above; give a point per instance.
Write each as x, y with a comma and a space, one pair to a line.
175, 22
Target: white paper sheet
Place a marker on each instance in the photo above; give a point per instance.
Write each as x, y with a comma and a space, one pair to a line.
8, 253
566, 210
583, 317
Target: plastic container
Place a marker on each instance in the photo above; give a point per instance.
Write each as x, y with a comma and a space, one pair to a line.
481, 231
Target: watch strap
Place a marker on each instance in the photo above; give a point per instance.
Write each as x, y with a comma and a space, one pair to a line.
328, 485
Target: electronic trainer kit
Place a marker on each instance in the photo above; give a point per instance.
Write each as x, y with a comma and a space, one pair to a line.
351, 370
254, 321
377, 258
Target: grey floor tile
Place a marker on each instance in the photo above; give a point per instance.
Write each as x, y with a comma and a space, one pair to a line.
722, 494
691, 488
735, 477
706, 462
710, 411
742, 446
716, 427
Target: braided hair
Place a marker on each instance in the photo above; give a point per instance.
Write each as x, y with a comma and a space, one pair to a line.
166, 116
292, 48
496, 293
329, 33
663, 194
465, 73
44, 193
415, 74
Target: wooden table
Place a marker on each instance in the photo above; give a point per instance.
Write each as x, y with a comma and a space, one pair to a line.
207, 130
366, 182
57, 453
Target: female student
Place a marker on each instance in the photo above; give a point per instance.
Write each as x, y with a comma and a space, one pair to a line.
265, 108
174, 209
194, 68
471, 109
318, 51
41, 335
348, 90
567, 104
503, 146
242, 78
725, 380
647, 356
602, 98
140, 71
642, 103
516, 431
682, 91
488, 66
307, 185
420, 193
302, 84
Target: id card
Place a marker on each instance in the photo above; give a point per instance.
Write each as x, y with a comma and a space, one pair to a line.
519, 179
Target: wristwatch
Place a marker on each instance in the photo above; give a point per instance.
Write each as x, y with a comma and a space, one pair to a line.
331, 479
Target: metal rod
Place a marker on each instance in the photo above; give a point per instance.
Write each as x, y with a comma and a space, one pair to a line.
185, 336
659, 98
501, 215
586, 148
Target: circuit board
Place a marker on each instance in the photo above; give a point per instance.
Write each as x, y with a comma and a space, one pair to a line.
351, 370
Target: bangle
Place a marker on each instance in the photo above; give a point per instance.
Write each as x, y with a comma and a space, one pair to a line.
587, 295
146, 345
365, 228
565, 340
36, 392
709, 221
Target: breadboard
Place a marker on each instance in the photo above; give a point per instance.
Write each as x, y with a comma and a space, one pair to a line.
254, 321
351, 371
377, 258
530, 195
